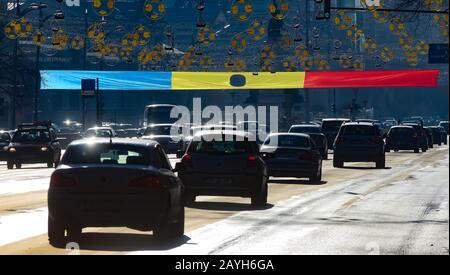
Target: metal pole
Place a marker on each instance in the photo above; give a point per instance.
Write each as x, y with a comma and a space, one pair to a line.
98, 103
15, 58
38, 78
334, 102
83, 98
307, 99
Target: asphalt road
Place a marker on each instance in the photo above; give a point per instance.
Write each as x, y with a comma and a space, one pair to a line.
402, 209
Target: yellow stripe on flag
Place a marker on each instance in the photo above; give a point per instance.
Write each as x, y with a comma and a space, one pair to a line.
221, 80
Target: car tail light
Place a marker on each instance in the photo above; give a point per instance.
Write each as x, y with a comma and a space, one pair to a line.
414, 135
187, 160
146, 182
60, 181
306, 156
252, 161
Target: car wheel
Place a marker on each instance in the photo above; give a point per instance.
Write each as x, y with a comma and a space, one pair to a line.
417, 150
317, 178
56, 232
10, 165
74, 233
387, 150
50, 165
189, 198
325, 155
337, 163
260, 199
19, 165
424, 149
168, 230
381, 163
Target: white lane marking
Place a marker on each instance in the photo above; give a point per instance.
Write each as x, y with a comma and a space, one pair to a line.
14, 228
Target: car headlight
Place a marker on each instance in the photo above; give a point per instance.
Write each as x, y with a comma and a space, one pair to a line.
12, 150
44, 149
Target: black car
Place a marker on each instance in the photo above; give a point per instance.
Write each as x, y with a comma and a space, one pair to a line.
114, 183
34, 143
292, 155
330, 128
5, 139
444, 135
437, 135
445, 125
359, 142
170, 136
421, 135
429, 133
402, 138
315, 133
224, 163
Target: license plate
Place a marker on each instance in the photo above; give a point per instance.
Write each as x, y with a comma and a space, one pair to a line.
219, 181
103, 206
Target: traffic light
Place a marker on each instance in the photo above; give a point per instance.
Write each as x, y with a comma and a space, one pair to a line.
324, 7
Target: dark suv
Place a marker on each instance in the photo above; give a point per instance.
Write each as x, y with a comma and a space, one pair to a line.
5, 139
34, 143
359, 142
224, 163
421, 135
330, 128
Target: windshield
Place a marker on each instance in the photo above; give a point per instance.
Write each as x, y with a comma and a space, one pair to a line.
359, 130
402, 131
221, 147
289, 141
305, 130
159, 115
4, 137
105, 133
331, 126
158, 131
106, 154
32, 136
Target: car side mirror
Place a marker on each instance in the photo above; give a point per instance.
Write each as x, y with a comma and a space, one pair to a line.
385, 135
179, 167
180, 153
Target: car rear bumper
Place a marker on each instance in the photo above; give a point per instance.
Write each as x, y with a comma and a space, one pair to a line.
303, 169
30, 158
358, 154
104, 211
222, 185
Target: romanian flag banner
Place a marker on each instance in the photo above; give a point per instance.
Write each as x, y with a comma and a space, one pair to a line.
186, 81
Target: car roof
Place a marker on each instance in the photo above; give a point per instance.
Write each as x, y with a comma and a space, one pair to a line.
290, 134
100, 128
161, 125
402, 126
306, 125
222, 132
358, 124
115, 141
336, 119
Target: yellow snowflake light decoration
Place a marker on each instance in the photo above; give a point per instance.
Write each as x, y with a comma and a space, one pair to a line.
154, 9
279, 9
103, 7
256, 31
241, 9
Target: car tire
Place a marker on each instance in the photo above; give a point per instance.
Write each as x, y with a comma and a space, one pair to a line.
10, 165
396, 150
387, 150
18, 165
260, 200
49, 164
168, 231
56, 232
337, 163
381, 163
317, 178
325, 155
189, 198
424, 149
74, 233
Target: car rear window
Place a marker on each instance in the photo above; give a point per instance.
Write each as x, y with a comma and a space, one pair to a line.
305, 130
402, 131
32, 136
102, 154
105, 133
288, 141
331, 126
223, 147
359, 130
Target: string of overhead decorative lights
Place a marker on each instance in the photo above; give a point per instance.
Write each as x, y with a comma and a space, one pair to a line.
137, 46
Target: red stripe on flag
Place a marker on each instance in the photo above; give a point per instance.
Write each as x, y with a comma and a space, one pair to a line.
367, 79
